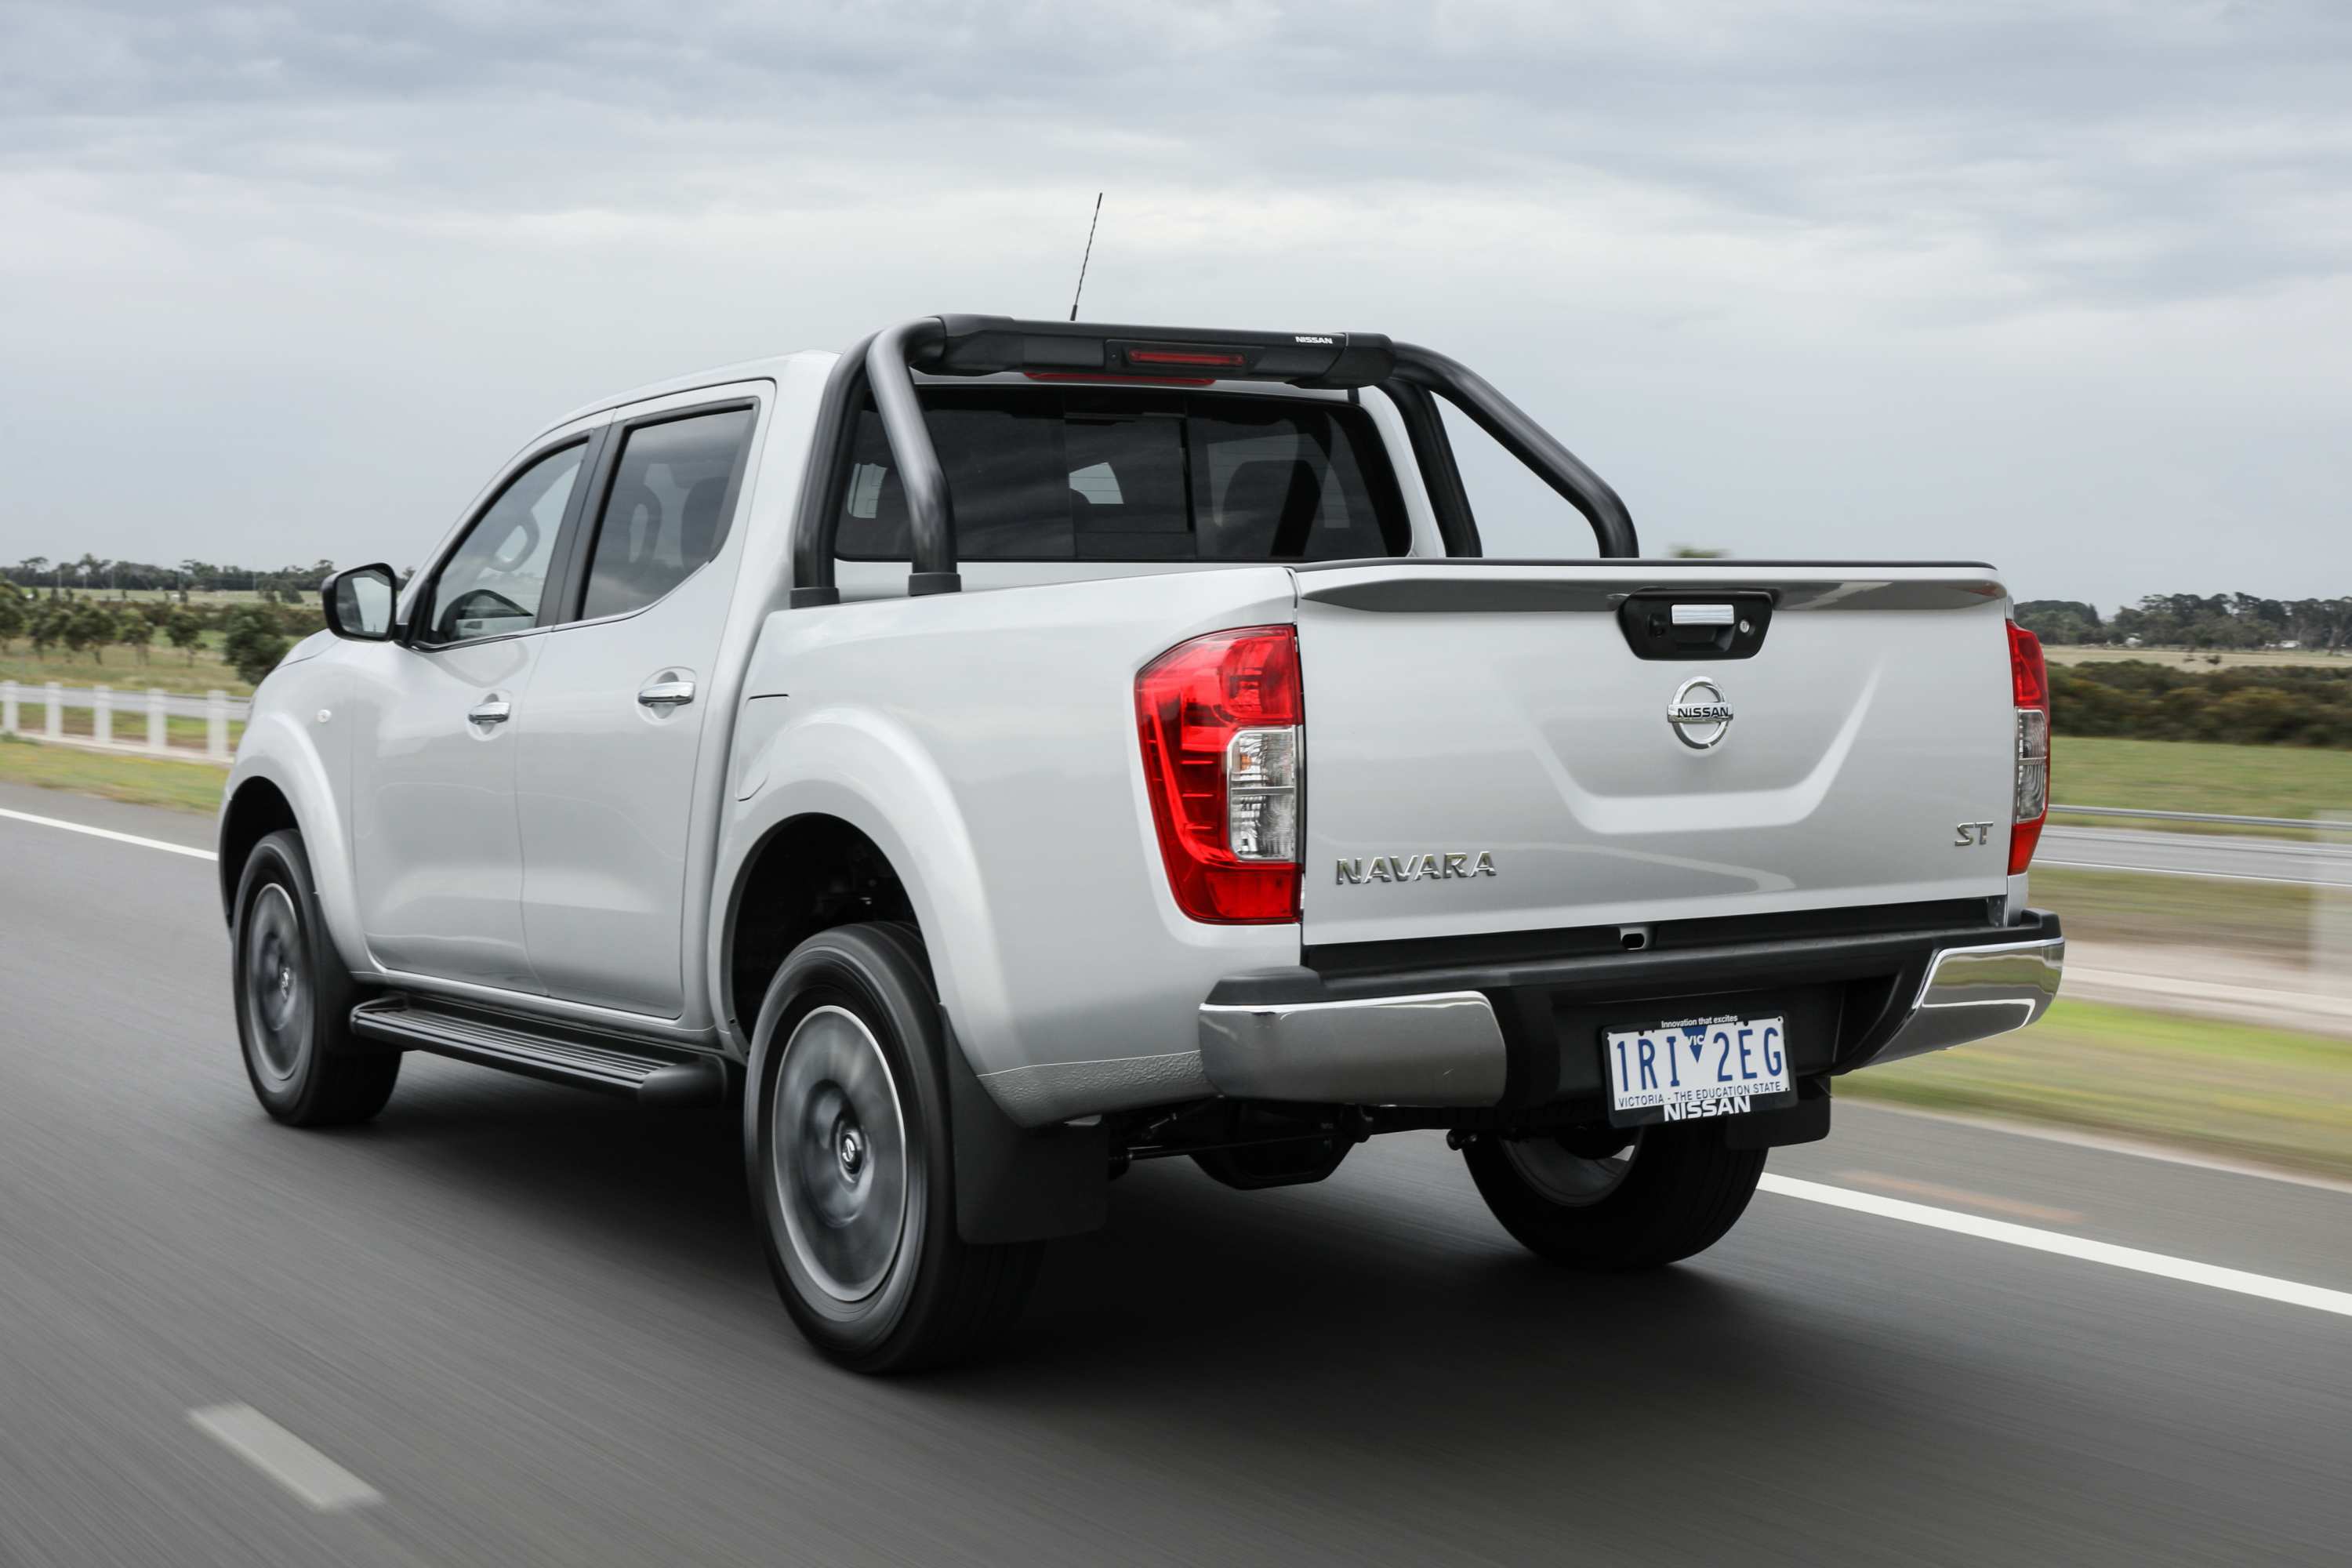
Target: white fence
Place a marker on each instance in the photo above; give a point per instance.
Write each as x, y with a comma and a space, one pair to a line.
38, 712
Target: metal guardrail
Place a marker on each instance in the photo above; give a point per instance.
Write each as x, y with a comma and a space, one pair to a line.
218, 709
2321, 824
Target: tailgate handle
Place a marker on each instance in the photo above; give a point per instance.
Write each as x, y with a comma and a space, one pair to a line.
1661, 623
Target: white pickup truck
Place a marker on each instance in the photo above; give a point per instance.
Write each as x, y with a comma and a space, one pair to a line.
1011, 750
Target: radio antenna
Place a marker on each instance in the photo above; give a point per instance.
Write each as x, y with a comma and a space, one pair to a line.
1087, 258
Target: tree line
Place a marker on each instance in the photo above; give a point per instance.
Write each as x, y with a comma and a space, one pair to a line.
254, 635
282, 584
2196, 620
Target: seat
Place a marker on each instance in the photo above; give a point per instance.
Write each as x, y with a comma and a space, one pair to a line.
1269, 509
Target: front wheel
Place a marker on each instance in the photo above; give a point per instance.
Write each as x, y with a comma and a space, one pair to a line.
294, 999
846, 1139
1608, 1202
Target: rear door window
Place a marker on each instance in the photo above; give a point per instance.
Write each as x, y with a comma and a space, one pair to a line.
1100, 474
665, 513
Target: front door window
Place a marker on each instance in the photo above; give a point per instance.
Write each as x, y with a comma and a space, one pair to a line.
492, 584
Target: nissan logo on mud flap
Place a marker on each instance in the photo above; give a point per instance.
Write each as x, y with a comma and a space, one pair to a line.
1700, 715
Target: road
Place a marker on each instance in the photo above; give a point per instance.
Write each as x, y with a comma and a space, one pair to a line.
2233, 858
531, 1327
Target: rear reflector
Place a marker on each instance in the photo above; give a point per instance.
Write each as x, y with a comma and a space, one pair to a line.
2029, 680
1219, 718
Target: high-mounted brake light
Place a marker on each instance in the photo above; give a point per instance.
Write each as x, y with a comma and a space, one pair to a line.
1219, 717
2029, 680
1187, 357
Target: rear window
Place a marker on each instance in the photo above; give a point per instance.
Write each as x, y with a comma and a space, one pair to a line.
1097, 475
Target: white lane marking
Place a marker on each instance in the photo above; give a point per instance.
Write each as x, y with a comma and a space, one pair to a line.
285, 1459
1963, 1196
2316, 1298
109, 833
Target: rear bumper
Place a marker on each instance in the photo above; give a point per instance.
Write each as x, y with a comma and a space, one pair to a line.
1441, 1047
1972, 993
1527, 1031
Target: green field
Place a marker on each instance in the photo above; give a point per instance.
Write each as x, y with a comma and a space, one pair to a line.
141, 781
2221, 1089
2195, 776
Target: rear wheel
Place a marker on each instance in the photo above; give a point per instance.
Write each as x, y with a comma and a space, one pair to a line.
847, 1142
1609, 1201
294, 999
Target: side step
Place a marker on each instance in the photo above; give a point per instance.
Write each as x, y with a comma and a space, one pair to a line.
611, 1065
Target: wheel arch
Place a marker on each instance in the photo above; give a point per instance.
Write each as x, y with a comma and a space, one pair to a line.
804, 874
281, 781
254, 810
855, 776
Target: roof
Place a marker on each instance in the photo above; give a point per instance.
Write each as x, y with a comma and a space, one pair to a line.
771, 368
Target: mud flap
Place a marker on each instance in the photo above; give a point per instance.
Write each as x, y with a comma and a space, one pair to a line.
1014, 1183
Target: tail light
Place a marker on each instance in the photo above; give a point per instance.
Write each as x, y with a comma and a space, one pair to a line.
2028, 680
1220, 720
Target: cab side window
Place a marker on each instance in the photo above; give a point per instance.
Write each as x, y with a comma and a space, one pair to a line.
666, 514
493, 582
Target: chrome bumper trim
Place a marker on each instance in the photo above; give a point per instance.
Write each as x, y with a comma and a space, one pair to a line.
1441, 1049
1974, 993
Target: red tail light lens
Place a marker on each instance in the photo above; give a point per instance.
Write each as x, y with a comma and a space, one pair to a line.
2029, 680
1220, 718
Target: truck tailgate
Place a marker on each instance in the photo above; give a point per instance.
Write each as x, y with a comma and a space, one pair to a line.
1486, 751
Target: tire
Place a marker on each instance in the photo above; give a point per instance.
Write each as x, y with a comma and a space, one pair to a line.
847, 1148
1673, 1192
294, 999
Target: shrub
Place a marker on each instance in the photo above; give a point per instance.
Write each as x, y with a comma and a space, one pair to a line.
2290, 705
253, 643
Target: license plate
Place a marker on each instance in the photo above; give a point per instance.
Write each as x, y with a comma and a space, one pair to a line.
1696, 1066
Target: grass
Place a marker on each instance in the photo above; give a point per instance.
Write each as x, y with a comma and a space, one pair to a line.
2272, 919
2200, 775
2200, 660
2231, 1089
180, 732
141, 781
167, 669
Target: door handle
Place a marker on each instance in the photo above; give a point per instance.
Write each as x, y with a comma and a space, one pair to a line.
495, 711
666, 694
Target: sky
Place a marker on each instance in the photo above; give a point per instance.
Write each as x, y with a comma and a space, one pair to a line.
2064, 286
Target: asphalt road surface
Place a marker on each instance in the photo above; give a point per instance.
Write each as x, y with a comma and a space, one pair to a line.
2230, 857
512, 1324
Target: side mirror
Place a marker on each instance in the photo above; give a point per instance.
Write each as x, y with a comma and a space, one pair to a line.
360, 603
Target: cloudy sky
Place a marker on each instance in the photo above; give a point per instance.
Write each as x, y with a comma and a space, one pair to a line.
2065, 285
